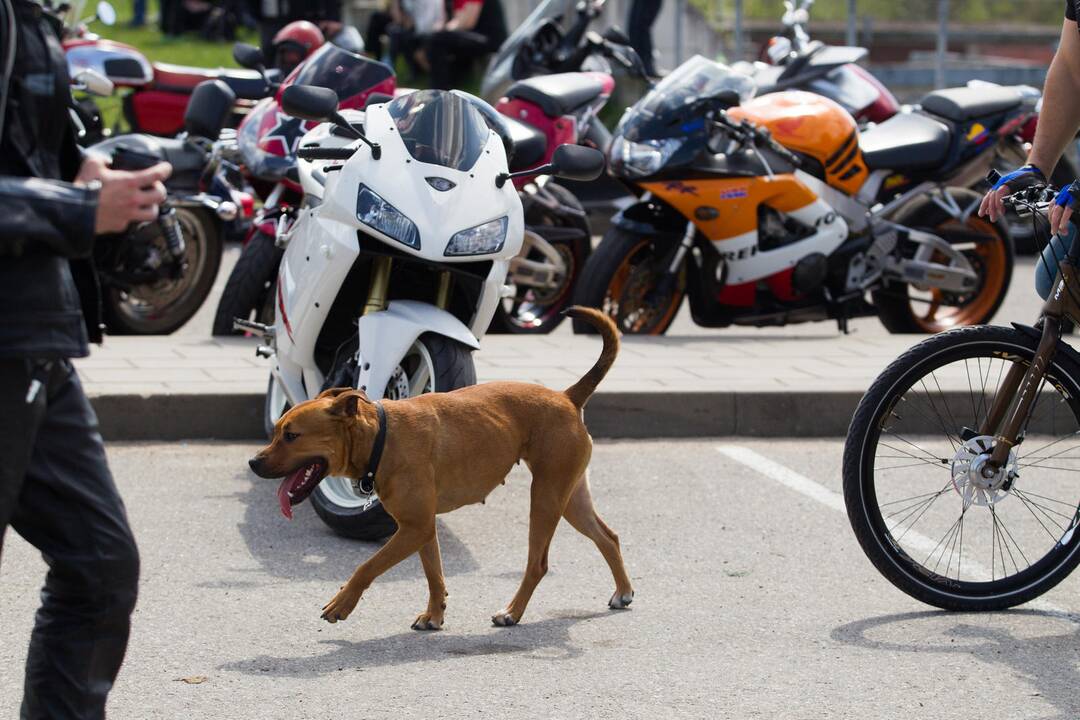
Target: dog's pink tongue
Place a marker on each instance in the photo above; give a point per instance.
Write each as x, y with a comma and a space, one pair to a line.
283, 497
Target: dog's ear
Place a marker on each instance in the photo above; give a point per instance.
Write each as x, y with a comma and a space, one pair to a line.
333, 392
347, 402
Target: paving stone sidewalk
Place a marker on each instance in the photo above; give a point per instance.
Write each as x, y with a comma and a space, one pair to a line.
746, 383
698, 363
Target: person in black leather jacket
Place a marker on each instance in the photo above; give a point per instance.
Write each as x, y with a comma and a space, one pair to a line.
55, 487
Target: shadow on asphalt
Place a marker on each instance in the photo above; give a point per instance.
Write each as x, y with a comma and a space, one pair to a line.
547, 639
1034, 659
306, 549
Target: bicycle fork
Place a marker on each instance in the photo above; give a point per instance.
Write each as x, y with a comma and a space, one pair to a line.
1013, 403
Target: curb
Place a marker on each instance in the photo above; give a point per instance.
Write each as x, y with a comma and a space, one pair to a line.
238, 416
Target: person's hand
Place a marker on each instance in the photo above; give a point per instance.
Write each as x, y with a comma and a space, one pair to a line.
94, 167
1064, 204
124, 197
992, 203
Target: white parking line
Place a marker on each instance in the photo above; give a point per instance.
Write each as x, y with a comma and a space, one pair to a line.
835, 501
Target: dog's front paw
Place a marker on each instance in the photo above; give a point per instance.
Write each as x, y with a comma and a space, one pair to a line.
427, 621
621, 601
504, 618
340, 607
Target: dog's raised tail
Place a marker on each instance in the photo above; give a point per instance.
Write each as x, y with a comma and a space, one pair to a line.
580, 392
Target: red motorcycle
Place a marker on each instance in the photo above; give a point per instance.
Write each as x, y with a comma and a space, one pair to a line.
159, 92
266, 151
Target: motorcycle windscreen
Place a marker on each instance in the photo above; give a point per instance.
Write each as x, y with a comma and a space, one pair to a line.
500, 68
440, 128
346, 73
660, 113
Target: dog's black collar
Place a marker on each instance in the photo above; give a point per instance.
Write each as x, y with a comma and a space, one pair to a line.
367, 483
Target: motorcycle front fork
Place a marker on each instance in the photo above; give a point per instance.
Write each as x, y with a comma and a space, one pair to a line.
379, 286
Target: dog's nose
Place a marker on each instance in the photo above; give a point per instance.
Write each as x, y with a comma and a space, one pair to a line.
255, 463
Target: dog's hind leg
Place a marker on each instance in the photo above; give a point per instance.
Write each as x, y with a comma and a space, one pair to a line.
582, 515
544, 513
432, 619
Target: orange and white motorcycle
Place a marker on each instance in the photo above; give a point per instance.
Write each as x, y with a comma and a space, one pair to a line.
778, 210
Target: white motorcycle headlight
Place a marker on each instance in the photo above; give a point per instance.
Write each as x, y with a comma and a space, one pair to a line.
644, 158
380, 215
480, 240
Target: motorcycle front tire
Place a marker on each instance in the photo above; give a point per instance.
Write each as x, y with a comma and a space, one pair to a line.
452, 367
621, 259
248, 293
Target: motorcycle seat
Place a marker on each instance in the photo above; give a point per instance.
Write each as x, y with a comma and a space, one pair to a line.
908, 141
530, 145
559, 94
966, 103
247, 84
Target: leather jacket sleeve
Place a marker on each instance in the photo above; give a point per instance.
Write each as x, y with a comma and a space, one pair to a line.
46, 215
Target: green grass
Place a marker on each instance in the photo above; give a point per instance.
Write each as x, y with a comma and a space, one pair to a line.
191, 49
188, 49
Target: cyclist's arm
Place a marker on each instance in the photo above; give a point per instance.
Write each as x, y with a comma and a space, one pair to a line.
1060, 116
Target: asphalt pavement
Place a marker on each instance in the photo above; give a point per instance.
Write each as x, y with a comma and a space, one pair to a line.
752, 600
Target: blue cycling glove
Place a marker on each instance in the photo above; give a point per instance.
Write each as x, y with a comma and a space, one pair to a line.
1021, 178
1069, 195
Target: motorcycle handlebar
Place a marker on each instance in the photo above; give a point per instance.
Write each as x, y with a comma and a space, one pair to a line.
321, 153
748, 132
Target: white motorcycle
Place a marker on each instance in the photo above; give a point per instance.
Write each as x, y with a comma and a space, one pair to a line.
397, 259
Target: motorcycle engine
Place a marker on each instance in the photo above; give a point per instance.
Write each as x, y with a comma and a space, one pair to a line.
776, 229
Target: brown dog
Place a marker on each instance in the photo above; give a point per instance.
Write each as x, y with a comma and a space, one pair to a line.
446, 450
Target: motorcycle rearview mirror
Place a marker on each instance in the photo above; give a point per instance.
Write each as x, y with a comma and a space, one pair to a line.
577, 162
572, 162
106, 13
319, 104
248, 56
92, 82
615, 35
377, 98
726, 99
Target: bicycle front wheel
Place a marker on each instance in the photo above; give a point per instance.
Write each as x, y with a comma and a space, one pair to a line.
922, 509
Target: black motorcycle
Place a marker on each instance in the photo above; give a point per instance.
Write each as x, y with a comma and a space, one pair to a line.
155, 276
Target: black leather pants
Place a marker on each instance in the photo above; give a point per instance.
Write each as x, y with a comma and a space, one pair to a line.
57, 493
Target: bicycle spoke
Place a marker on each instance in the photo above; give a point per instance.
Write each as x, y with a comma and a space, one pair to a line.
912, 508
944, 400
940, 419
1028, 504
1063, 438
944, 543
1005, 531
929, 456
1072, 506
910, 465
925, 507
971, 393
